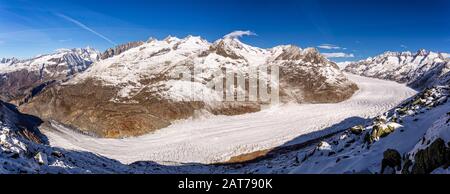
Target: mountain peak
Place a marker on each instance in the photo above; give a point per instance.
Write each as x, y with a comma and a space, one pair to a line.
151, 39
8, 60
422, 52
171, 38
120, 49
288, 52
230, 42
312, 50
195, 39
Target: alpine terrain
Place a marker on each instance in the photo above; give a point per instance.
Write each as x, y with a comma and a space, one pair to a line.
139, 90
20, 80
131, 109
418, 70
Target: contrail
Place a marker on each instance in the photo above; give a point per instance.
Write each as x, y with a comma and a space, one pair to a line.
81, 25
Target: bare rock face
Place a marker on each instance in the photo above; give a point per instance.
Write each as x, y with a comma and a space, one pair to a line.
87, 107
391, 162
21, 80
120, 49
140, 91
434, 156
308, 77
27, 125
419, 70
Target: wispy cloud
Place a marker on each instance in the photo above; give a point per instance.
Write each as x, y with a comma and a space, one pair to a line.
403, 46
239, 33
65, 40
339, 55
329, 46
83, 26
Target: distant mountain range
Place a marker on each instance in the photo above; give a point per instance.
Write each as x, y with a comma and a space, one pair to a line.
19, 79
419, 70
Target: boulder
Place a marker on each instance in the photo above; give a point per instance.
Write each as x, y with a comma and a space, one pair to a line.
381, 119
323, 145
41, 158
434, 156
402, 111
358, 129
379, 131
392, 161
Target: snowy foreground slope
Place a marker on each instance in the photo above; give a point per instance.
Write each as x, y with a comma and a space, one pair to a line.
22, 151
218, 138
412, 138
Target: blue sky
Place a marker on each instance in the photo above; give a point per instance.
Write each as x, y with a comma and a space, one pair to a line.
357, 28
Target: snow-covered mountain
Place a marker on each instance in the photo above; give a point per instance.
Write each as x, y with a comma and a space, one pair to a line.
19, 77
419, 70
119, 49
7, 62
139, 90
344, 64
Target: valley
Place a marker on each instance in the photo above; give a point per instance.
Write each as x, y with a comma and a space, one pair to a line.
212, 139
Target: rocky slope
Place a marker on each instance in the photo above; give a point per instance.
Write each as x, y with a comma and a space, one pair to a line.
24, 150
119, 49
22, 79
140, 90
413, 138
419, 70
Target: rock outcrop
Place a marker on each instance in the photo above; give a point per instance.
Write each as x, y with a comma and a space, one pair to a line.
436, 155
392, 161
111, 52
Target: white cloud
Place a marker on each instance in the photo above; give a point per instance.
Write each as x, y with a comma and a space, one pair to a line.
81, 25
338, 55
329, 46
239, 33
403, 46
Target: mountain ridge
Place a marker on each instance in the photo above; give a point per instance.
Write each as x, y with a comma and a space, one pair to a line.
19, 79
419, 70
143, 80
